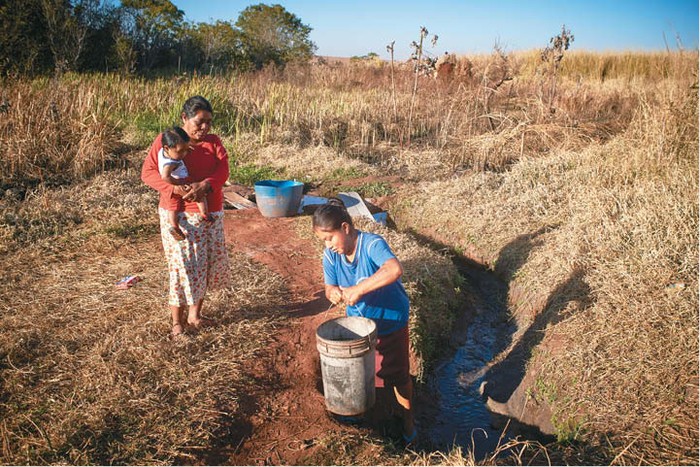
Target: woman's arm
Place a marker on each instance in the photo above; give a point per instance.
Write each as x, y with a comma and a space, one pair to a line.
216, 179
221, 173
388, 273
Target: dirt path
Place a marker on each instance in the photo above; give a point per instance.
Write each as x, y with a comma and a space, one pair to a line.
289, 414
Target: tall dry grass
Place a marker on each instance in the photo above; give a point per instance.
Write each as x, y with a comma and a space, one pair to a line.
87, 373
599, 248
487, 116
54, 133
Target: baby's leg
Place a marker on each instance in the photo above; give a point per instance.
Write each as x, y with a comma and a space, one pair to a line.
172, 218
175, 230
204, 210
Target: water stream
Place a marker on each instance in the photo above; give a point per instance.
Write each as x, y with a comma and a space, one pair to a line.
460, 417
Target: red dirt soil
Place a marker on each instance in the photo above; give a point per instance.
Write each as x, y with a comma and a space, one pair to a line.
289, 413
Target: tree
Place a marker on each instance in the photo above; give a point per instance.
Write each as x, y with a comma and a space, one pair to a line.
66, 33
152, 27
221, 45
271, 34
101, 20
552, 56
23, 42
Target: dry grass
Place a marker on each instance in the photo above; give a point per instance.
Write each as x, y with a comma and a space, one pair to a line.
55, 132
310, 164
68, 129
87, 373
592, 244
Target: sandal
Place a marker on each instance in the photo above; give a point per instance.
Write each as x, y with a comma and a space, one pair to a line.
409, 440
177, 234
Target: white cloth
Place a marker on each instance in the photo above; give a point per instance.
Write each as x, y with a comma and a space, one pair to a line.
179, 172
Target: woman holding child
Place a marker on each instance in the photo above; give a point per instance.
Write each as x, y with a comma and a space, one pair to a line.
196, 252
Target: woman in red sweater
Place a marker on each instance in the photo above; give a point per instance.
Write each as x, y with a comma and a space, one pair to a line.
200, 261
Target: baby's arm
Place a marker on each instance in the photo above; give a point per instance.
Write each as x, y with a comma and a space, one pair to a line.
166, 175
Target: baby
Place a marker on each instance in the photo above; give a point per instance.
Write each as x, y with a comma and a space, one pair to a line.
175, 142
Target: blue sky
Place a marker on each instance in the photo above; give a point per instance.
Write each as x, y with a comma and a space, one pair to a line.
349, 28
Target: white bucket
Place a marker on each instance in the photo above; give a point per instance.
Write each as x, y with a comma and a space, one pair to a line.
347, 352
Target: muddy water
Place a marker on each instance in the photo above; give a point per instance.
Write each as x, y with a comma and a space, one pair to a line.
460, 416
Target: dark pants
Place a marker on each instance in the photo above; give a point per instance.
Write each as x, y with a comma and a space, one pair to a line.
391, 362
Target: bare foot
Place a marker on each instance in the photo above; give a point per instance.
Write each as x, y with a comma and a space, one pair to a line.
178, 330
201, 322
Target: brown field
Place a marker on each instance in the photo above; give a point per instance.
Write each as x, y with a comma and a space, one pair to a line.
579, 190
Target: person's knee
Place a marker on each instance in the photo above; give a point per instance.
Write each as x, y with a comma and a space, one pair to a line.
404, 396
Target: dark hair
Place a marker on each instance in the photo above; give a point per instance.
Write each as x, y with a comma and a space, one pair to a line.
174, 136
331, 215
194, 104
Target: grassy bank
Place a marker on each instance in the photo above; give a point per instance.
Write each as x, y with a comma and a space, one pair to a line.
599, 248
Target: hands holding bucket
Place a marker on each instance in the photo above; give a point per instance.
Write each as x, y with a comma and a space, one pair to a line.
335, 295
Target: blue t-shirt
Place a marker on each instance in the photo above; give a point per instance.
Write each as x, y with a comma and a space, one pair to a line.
387, 306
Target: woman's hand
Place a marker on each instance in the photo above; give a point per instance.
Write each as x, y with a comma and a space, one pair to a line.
198, 191
181, 190
351, 295
388, 273
334, 294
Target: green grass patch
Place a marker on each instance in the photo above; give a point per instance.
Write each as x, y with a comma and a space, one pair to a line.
133, 231
344, 173
250, 173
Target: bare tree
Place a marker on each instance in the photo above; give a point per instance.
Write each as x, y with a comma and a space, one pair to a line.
421, 66
551, 56
65, 32
498, 71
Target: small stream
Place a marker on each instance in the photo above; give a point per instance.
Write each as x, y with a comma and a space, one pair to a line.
460, 417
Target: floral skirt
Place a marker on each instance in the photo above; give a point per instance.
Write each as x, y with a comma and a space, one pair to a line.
198, 263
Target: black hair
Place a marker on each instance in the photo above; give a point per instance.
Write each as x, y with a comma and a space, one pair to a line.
174, 136
194, 104
331, 215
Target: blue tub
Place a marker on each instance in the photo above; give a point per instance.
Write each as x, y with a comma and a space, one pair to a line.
278, 198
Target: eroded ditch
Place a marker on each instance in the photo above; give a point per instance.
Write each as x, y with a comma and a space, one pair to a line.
455, 412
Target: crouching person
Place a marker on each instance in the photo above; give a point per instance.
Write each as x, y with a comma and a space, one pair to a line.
361, 270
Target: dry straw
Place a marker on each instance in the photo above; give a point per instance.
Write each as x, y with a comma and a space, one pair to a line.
88, 373
599, 248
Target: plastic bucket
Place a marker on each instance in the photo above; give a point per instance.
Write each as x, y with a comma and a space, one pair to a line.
347, 348
278, 198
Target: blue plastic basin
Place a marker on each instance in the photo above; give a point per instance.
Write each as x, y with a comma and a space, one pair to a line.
278, 198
